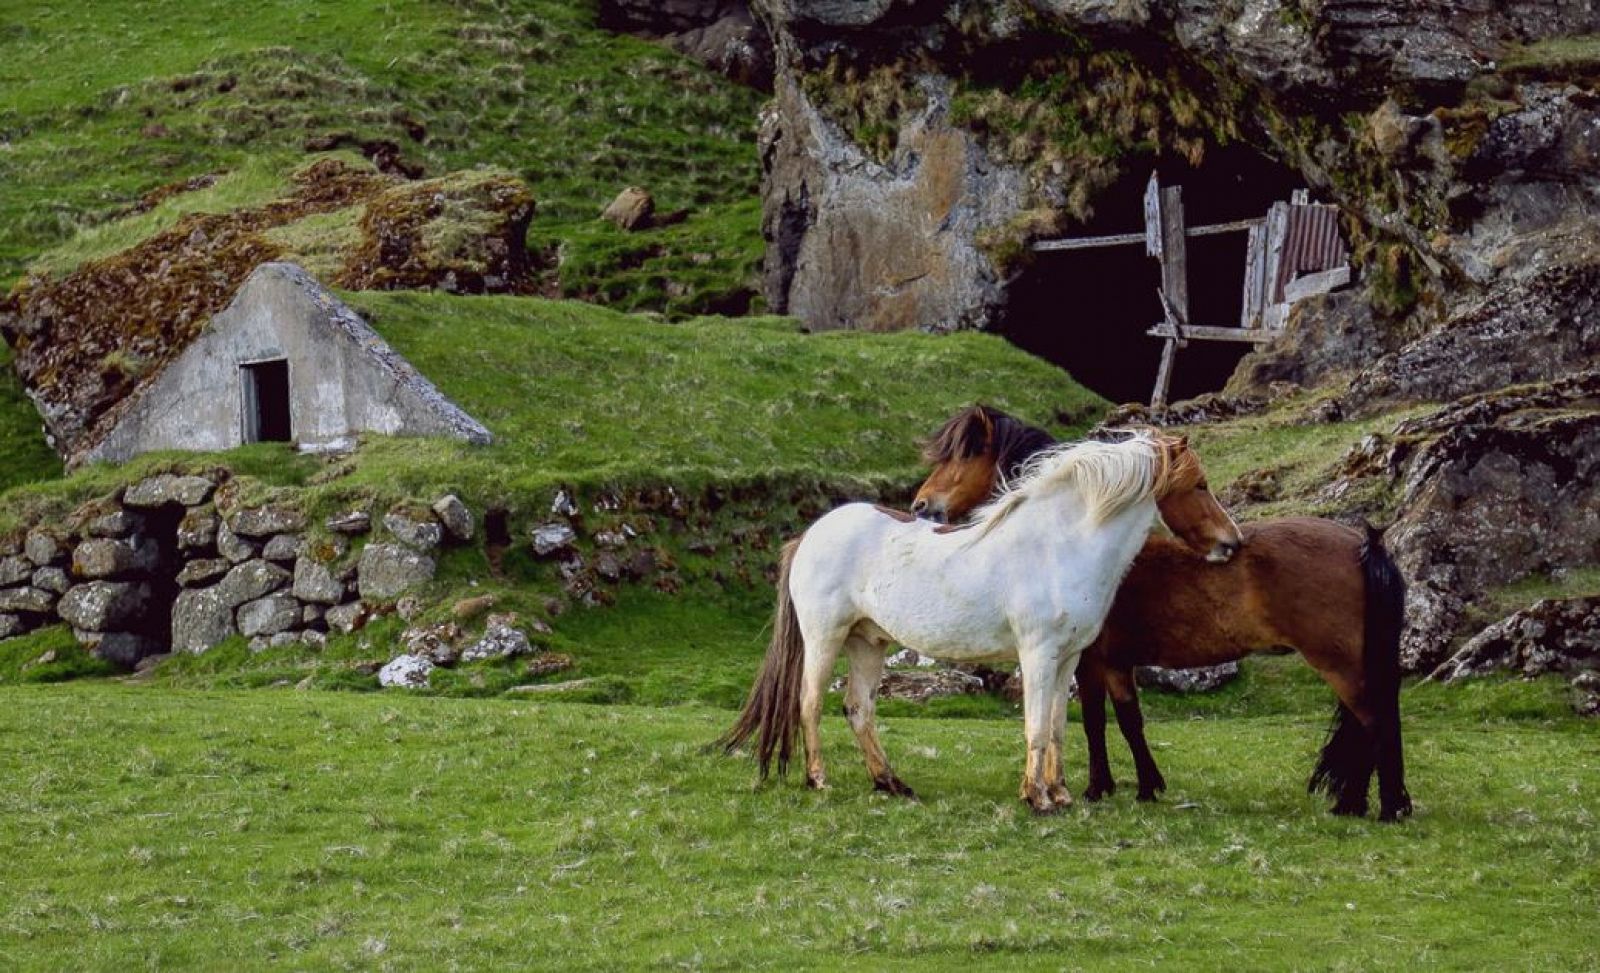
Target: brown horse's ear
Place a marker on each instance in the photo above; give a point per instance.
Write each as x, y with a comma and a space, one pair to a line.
1183, 442
977, 433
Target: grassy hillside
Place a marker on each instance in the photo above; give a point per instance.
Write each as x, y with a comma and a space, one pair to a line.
103, 103
24, 456
317, 830
576, 393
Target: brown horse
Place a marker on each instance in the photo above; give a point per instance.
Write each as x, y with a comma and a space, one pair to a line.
1313, 586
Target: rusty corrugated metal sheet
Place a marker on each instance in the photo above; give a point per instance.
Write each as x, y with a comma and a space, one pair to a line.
1311, 244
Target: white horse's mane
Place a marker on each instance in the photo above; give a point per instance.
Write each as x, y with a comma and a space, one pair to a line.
1108, 476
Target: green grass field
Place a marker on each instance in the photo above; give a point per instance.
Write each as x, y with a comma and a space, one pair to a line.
103, 103
159, 828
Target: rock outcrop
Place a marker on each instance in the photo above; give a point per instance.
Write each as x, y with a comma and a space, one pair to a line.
1560, 636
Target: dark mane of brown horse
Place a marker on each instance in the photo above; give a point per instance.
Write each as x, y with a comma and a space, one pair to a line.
967, 435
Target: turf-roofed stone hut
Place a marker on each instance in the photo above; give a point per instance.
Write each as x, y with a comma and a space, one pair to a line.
284, 361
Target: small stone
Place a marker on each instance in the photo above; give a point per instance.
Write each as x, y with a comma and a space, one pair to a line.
265, 521
633, 209
469, 608
269, 615
30, 600
104, 557
165, 488
388, 570
407, 672
350, 522
500, 639
14, 570
283, 639
563, 505
202, 572
197, 531
260, 644
314, 640
44, 547
11, 625
608, 566
553, 537
103, 606
117, 523
455, 517
283, 548
439, 643
549, 662
232, 546
312, 615
53, 580
151, 661
613, 539
408, 607
346, 618
314, 582
1200, 680
419, 531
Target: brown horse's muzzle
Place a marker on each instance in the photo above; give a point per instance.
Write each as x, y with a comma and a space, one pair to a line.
1223, 551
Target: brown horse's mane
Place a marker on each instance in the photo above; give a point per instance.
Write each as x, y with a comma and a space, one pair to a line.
964, 437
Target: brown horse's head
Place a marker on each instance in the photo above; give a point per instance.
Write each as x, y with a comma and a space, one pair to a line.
969, 454
1187, 506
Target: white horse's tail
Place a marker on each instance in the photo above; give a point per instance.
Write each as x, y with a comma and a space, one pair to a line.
772, 713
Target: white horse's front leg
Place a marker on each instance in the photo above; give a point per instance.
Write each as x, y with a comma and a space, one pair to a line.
1039, 671
1055, 771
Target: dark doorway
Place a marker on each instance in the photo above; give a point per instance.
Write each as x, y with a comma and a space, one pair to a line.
266, 401
1088, 310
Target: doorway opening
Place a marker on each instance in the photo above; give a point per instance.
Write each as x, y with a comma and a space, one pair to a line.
266, 401
1088, 310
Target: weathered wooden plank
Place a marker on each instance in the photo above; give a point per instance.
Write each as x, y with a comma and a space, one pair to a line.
1204, 332
1255, 269
1312, 284
1174, 287
1089, 242
1277, 231
1212, 229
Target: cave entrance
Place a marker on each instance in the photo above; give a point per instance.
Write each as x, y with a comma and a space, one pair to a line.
1089, 309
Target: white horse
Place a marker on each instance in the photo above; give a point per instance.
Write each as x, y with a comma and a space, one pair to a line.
1031, 579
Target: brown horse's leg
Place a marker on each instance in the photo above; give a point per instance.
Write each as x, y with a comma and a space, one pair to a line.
1125, 700
860, 708
1349, 757
1092, 692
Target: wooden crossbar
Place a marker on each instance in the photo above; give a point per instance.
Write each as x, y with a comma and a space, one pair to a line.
1208, 333
1128, 239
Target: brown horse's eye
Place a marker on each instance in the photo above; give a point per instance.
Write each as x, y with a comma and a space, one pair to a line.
1203, 485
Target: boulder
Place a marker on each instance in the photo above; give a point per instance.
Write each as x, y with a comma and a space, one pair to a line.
388, 570
1553, 635
414, 529
259, 522
15, 570
552, 538
104, 557
53, 580
233, 547
44, 546
103, 606
197, 531
267, 616
501, 638
633, 209
117, 523
1202, 680
282, 548
203, 571
166, 488
346, 618
350, 522
407, 672
314, 582
921, 685
455, 517
201, 618
125, 649
249, 581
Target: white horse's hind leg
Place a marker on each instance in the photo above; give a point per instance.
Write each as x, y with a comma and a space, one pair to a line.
822, 651
861, 708
1055, 772
1039, 672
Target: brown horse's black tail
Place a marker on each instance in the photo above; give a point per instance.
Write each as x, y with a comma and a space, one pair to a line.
1353, 751
772, 713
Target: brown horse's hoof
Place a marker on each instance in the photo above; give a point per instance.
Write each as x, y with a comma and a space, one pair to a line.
1352, 809
1096, 791
894, 786
1398, 812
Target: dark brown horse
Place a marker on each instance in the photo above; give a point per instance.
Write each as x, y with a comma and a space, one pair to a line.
1325, 590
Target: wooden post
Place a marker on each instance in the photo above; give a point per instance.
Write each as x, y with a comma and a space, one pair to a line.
1174, 285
